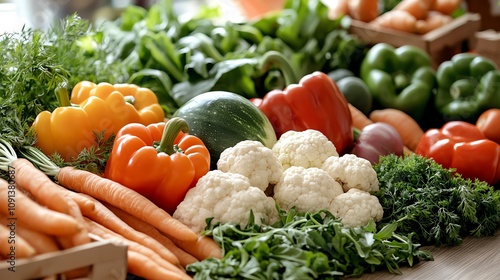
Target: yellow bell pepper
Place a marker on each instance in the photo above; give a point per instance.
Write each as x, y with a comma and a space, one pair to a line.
93, 108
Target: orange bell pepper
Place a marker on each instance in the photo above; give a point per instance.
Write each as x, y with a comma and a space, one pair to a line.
462, 146
92, 109
160, 161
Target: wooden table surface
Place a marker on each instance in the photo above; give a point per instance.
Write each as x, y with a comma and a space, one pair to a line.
474, 259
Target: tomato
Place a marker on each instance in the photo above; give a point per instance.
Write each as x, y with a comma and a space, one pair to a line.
489, 124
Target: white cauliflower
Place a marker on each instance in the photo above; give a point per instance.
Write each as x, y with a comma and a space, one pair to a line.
356, 208
252, 160
352, 171
309, 189
228, 198
308, 148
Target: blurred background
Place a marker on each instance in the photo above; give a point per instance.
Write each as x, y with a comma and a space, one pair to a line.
14, 14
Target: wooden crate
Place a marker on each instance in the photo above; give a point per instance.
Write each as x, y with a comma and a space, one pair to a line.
106, 260
440, 43
488, 44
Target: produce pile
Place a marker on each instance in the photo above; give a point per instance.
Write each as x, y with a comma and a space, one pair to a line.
411, 16
271, 148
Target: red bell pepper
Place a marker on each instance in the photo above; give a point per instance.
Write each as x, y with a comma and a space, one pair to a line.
314, 103
462, 146
160, 161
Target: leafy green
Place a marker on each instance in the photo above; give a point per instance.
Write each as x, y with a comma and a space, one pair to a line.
202, 53
435, 203
305, 246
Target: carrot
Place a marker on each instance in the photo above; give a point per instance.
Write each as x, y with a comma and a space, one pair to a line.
446, 7
42, 189
417, 8
108, 219
359, 119
124, 198
337, 8
409, 130
38, 184
42, 243
106, 233
433, 21
34, 216
203, 248
183, 257
363, 10
23, 248
397, 20
142, 266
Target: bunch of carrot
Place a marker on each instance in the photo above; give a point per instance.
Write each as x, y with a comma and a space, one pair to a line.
414, 16
61, 213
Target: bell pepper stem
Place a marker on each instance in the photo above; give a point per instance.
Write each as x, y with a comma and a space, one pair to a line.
129, 99
274, 58
401, 81
62, 96
170, 132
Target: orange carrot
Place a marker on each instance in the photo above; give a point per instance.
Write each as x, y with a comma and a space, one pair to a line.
337, 8
203, 248
23, 249
34, 216
108, 219
433, 21
124, 198
363, 10
409, 130
446, 7
142, 266
42, 243
359, 119
417, 8
106, 233
183, 257
397, 20
38, 184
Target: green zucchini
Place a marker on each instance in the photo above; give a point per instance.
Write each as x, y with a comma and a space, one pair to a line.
223, 119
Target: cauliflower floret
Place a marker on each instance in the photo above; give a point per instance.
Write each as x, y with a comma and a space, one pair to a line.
352, 171
308, 148
228, 198
309, 189
253, 160
356, 208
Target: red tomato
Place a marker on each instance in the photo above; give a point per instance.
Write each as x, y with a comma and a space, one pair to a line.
489, 124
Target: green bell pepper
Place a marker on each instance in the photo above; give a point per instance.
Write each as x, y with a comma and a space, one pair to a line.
400, 78
467, 85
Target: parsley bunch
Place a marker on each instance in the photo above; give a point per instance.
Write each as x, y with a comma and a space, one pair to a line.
436, 204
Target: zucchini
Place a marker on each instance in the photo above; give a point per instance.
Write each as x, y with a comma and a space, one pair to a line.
222, 119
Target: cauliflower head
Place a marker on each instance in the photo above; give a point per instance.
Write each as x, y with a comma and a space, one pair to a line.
356, 208
227, 198
309, 189
308, 148
352, 171
253, 160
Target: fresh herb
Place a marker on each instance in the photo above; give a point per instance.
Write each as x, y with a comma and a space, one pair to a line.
306, 246
435, 203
